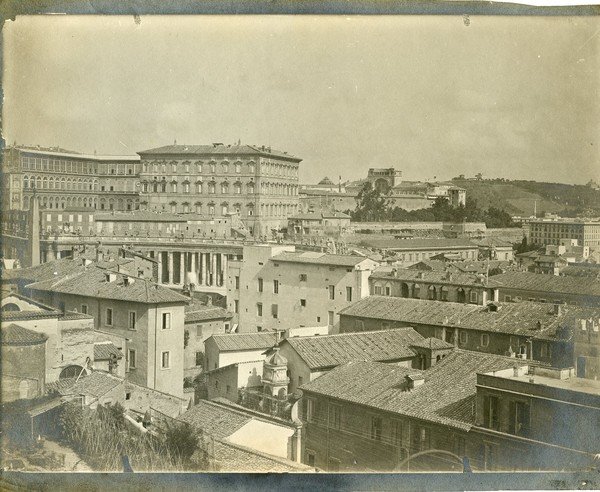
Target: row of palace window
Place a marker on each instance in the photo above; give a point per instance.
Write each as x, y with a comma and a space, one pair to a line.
81, 184
68, 166
273, 209
163, 186
78, 201
224, 167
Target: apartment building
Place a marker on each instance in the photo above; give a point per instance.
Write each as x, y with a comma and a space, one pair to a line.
276, 287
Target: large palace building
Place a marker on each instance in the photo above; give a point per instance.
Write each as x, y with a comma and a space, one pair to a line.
65, 179
258, 184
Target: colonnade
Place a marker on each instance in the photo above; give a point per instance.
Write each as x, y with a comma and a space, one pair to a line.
183, 267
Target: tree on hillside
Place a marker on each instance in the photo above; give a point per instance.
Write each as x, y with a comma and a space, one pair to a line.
371, 205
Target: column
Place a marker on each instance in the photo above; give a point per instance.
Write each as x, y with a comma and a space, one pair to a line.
181, 268
223, 269
194, 274
203, 266
170, 253
214, 269
158, 257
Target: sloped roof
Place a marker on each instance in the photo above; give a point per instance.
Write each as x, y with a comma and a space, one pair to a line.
432, 343
230, 342
443, 398
319, 258
320, 216
478, 266
421, 243
332, 350
214, 419
44, 271
194, 151
326, 181
90, 281
434, 277
435, 265
517, 318
105, 350
548, 283
17, 335
96, 384
205, 313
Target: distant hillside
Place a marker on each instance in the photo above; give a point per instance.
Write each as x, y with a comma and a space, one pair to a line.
518, 197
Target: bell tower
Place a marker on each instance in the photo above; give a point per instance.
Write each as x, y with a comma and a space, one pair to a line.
275, 380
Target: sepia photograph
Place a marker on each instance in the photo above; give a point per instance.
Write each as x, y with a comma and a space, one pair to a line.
301, 244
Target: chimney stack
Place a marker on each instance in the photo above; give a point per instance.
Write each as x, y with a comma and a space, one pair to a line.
557, 309
209, 301
414, 380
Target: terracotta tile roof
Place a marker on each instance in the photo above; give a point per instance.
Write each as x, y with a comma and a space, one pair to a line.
69, 315
198, 313
218, 151
478, 266
518, 318
96, 384
17, 335
215, 419
320, 216
91, 281
432, 343
443, 398
25, 315
244, 341
317, 258
332, 350
432, 277
105, 350
548, 283
413, 244
44, 271
435, 265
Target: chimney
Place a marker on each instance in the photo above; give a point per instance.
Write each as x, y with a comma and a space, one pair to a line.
110, 276
128, 280
421, 275
209, 301
557, 309
538, 325
414, 380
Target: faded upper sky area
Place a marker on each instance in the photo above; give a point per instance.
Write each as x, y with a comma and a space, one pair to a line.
514, 97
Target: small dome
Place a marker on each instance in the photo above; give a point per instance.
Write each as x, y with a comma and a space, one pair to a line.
325, 181
276, 359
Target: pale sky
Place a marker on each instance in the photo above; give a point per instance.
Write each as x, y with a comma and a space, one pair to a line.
514, 97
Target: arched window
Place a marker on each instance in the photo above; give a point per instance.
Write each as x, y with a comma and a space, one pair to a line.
174, 186
71, 372
186, 187
225, 167
416, 291
199, 187
199, 167
251, 167
10, 306
237, 188
25, 181
251, 187
211, 187
238, 167
225, 188
45, 183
